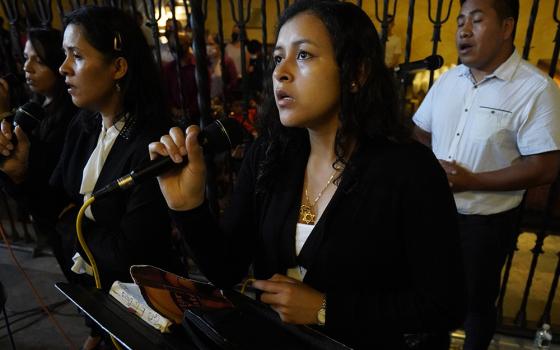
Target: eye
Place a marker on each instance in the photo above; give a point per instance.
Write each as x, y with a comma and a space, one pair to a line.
303, 55
277, 59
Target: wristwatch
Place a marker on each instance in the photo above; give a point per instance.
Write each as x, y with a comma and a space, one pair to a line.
322, 313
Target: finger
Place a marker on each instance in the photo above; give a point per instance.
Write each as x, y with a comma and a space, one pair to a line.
6, 129
157, 149
282, 278
272, 299
268, 286
179, 138
4, 85
22, 138
193, 148
278, 310
172, 148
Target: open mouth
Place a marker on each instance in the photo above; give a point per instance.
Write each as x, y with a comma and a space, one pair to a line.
465, 47
71, 88
283, 99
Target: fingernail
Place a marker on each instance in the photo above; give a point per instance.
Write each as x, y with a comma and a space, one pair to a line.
177, 158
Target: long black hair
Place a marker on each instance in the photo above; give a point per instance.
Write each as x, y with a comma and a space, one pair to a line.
369, 113
47, 43
115, 34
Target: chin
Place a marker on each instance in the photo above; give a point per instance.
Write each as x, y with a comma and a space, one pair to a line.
290, 121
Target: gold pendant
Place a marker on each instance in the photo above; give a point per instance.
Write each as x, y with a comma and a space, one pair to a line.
306, 215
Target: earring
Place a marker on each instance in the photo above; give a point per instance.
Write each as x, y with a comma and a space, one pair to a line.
118, 87
354, 87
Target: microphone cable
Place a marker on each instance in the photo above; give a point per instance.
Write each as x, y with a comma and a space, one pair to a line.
38, 296
89, 255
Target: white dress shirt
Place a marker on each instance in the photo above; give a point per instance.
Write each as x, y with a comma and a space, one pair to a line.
97, 159
486, 126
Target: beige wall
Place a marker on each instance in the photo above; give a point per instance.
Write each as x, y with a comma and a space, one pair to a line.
542, 44
541, 47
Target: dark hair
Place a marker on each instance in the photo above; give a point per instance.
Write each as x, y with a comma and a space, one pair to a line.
47, 44
369, 113
505, 9
115, 34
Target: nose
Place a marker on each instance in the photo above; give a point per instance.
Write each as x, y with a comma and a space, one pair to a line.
466, 30
282, 71
465, 33
64, 69
27, 66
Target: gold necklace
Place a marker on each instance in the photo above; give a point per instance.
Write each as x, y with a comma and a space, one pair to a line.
307, 211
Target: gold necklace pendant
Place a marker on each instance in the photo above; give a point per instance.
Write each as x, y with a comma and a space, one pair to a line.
306, 215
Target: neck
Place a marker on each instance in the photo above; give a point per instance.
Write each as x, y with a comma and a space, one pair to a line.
112, 111
322, 144
480, 72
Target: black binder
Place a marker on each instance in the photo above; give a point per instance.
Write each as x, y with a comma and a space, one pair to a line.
250, 325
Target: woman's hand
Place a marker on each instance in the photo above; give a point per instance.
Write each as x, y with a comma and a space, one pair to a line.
15, 159
4, 96
182, 188
294, 301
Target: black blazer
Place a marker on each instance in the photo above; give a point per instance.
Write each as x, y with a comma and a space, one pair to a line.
385, 251
130, 227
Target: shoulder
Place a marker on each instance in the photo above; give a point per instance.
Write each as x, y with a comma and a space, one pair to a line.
527, 73
402, 159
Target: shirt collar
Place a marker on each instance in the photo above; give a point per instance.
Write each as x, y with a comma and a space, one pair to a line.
504, 72
115, 129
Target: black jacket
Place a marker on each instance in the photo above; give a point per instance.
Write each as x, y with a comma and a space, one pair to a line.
130, 227
385, 251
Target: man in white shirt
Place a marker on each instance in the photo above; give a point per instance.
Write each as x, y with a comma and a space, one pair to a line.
494, 123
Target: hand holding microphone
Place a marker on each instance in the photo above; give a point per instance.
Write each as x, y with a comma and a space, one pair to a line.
178, 161
183, 188
14, 142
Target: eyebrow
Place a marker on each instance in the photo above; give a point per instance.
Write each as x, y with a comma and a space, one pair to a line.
470, 13
297, 43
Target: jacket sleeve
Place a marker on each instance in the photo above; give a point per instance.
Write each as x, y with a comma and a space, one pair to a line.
225, 251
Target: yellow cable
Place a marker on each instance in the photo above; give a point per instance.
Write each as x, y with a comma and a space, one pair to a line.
244, 286
82, 241
84, 246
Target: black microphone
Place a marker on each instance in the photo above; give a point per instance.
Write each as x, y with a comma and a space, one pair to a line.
219, 136
432, 62
28, 117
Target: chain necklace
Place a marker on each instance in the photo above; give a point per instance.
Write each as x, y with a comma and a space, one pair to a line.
307, 211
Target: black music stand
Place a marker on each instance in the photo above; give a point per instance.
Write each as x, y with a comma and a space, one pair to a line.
116, 320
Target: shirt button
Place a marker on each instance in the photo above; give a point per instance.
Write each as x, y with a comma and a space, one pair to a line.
457, 134
466, 109
492, 112
449, 157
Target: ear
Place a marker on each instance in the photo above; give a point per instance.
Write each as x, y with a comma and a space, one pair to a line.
120, 66
508, 25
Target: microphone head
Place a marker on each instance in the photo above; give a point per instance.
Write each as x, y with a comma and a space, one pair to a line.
222, 135
29, 116
434, 62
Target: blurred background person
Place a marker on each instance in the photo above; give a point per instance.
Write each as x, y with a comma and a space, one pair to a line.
187, 67
218, 77
43, 56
